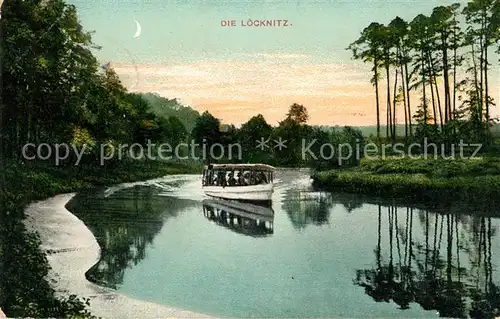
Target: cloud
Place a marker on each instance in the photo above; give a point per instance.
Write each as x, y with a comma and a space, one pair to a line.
238, 90
335, 94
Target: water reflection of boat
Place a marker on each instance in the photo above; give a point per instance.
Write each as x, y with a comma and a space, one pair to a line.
244, 218
249, 182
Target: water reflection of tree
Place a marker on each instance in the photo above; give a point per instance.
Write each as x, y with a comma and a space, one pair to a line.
124, 224
305, 207
350, 202
430, 269
310, 207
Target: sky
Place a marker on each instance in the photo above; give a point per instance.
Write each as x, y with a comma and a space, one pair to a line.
237, 72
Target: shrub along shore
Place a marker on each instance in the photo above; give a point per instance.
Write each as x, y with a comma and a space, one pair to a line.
472, 180
24, 289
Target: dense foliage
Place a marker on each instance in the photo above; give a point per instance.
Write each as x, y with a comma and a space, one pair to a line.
430, 180
166, 108
260, 142
414, 57
55, 91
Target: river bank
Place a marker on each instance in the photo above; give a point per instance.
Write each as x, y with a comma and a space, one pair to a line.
25, 290
470, 180
71, 250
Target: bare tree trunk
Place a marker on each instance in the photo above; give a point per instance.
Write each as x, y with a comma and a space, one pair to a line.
434, 80
375, 69
455, 61
389, 113
481, 75
387, 119
407, 77
454, 83
394, 104
447, 99
440, 109
431, 72
487, 107
474, 66
423, 88
403, 86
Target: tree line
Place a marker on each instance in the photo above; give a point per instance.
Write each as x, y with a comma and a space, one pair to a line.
55, 90
452, 45
293, 131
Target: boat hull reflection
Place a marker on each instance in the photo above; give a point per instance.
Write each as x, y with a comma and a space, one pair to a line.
244, 218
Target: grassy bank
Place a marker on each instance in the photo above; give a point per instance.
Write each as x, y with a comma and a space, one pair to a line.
418, 179
24, 289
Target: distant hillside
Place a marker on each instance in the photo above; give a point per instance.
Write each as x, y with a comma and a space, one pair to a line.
368, 130
171, 107
400, 129
372, 130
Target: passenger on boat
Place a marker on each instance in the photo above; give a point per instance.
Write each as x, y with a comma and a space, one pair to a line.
231, 180
246, 177
260, 178
241, 180
221, 179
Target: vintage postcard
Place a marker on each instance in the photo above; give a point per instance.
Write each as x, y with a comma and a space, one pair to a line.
249, 159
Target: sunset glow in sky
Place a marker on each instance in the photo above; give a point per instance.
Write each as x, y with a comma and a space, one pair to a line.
238, 72
236, 91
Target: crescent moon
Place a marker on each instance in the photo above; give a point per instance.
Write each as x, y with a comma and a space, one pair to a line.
138, 30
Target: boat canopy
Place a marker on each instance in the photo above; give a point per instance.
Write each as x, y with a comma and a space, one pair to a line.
253, 167
223, 175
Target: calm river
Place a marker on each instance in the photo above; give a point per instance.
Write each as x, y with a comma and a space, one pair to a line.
322, 255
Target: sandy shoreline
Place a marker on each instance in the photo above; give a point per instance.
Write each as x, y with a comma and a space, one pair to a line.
73, 250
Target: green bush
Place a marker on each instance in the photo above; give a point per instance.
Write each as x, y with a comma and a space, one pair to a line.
417, 178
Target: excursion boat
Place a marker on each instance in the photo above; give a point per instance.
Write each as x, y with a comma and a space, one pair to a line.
240, 217
246, 182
